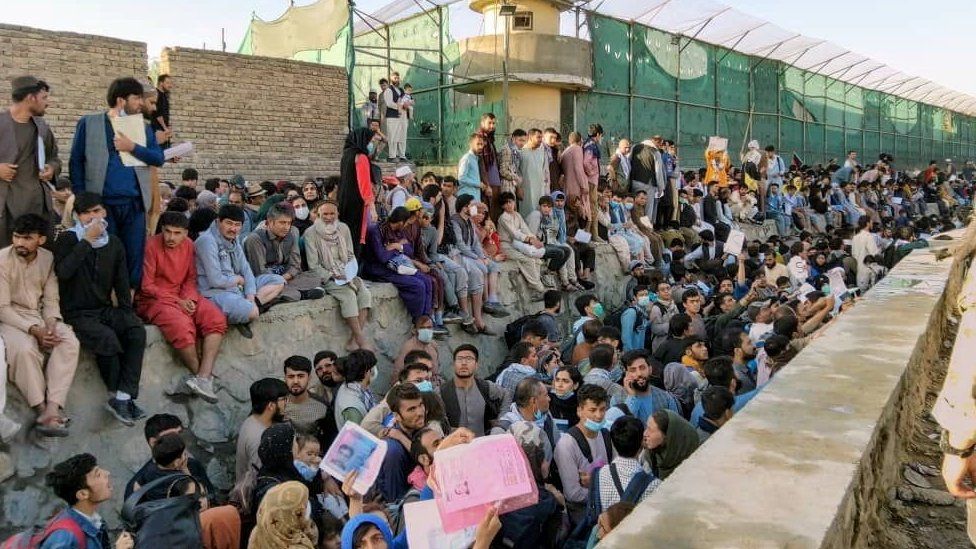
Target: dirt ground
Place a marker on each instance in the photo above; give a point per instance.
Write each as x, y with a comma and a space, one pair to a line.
914, 525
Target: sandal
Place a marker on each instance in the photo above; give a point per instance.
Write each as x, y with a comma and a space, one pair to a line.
54, 430
470, 328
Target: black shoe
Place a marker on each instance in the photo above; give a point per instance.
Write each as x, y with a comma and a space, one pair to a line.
586, 284
120, 409
441, 331
135, 412
245, 330
314, 293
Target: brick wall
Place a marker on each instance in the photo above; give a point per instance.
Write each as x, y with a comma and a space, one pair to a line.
78, 67
261, 117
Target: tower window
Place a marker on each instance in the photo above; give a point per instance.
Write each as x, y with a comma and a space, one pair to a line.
522, 21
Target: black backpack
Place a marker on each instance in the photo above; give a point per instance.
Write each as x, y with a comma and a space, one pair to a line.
172, 522
513, 330
616, 316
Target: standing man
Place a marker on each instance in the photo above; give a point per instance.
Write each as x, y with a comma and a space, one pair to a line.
90, 265
510, 163
164, 84
775, 167
488, 164
591, 166
96, 166
24, 168
31, 327
469, 174
370, 109
647, 174
535, 173
396, 120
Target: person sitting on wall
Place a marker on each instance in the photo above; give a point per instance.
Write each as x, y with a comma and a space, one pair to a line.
274, 249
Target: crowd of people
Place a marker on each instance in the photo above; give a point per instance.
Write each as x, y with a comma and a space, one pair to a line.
604, 410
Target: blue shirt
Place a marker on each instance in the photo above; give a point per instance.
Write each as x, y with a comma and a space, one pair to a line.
632, 329
469, 176
644, 406
397, 464
95, 538
740, 403
120, 180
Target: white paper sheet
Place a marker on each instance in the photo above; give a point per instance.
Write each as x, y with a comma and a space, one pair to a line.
180, 150
716, 143
425, 530
582, 236
134, 128
41, 155
734, 242
352, 271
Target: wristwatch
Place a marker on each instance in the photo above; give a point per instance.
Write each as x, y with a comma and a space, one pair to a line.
952, 450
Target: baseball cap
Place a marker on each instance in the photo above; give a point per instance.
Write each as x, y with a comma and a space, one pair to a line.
413, 204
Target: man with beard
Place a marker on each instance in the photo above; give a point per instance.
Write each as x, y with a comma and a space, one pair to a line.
396, 119
737, 344
97, 166
488, 164
31, 326
269, 397
408, 408
647, 174
643, 399
25, 167
329, 377
303, 408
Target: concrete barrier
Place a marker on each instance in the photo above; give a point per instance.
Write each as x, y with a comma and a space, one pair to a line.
807, 462
299, 328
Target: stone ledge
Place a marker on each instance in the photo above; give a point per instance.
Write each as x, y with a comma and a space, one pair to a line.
298, 328
805, 464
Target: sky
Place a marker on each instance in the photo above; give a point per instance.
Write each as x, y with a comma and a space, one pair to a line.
921, 39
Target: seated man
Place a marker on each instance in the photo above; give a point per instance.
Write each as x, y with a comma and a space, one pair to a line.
521, 246
224, 276
546, 228
30, 324
90, 265
273, 249
157, 427
168, 298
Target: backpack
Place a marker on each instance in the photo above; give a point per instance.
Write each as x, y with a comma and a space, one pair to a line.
568, 345
36, 536
513, 330
615, 318
635, 489
584, 446
173, 522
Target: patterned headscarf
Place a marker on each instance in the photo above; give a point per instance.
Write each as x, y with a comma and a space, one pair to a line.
281, 521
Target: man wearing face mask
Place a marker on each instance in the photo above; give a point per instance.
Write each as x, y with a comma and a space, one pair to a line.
530, 405
96, 165
90, 265
303, 409
269, 398
586, 447
423, 341
273, 249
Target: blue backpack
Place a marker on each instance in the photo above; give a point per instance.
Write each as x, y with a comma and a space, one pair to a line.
635, 489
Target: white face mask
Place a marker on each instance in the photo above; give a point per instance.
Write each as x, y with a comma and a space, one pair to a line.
301, 213
472, 211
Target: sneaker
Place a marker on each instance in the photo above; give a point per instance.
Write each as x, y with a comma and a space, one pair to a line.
314, 293
202, 387
8, 428
120, 409
452, 317
441, 331
245, 330
135, 412
495, 309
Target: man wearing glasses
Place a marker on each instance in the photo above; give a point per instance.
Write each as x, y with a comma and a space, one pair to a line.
469, 400
28, 154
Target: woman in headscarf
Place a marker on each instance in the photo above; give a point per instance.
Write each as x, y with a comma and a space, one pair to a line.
329, 249
383, 243
283, 519
355, 195
368, 530
277, 452
682, 385
669, 439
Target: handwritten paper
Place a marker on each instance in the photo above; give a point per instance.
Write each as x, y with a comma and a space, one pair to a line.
582, 236
716, 143
472, 477
426, 531
734, 242
178, 151
134, 128
355, 449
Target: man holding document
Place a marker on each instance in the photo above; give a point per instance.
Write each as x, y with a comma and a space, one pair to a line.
28, 154
111, 156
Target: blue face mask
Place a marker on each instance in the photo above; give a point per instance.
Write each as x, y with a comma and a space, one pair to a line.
305, 470
371, 147
566, 396
424, 386
425, 335
629, 205
644, 300
594, 426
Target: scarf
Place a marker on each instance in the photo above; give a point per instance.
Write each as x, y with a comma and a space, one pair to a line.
594, 149
79, 231
335, 251
560, 215
680, 440
355, 523
489, 155
281, 522
692, 363
353, 209
517, 156
275, 452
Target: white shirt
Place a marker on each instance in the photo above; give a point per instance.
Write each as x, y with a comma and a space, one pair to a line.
799, 270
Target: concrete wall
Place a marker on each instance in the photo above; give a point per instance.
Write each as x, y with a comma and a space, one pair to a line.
261, 117
78, 67
300, 328
808, 461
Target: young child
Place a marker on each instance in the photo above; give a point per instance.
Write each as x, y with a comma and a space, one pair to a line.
307, 463
406, 101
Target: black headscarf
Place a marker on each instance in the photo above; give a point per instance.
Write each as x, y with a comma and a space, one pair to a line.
275, 451
348, 196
